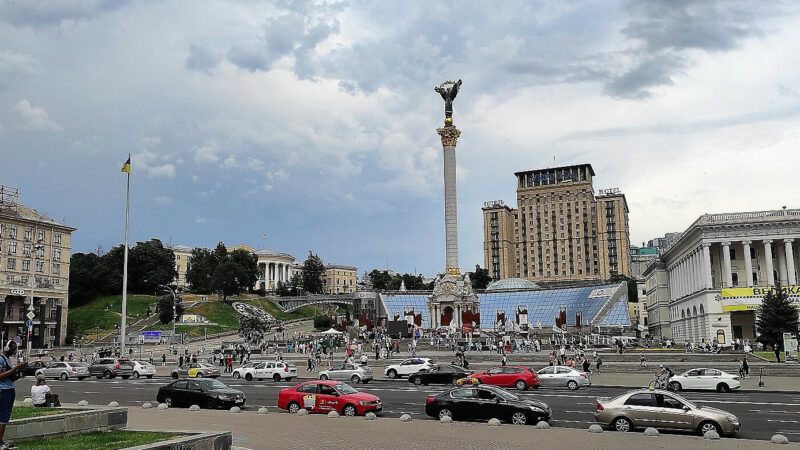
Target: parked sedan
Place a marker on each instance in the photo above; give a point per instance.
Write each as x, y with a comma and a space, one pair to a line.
210, 394
711, 379
323, 396
33, 367
662, 409
65, 370
439, 374
348, 372
195, 370
487, 402
143, 369
111, 368
508, 376
562, 376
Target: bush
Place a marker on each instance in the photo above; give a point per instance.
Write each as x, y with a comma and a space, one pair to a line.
322, 322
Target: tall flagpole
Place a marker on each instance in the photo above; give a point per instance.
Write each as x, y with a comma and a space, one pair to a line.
125, 268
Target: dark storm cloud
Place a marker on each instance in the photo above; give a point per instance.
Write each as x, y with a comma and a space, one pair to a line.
52, 12
201, 59
651, 71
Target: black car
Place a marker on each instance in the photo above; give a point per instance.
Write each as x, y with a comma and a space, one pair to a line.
439, 374
32, 367
484, 402
204, 392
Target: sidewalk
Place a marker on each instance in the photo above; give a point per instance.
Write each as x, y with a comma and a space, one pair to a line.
278, 430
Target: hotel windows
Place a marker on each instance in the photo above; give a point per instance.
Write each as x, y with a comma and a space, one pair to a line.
12, 231
12, 248
26, 264
40, 266
11, 264
28, 234
57, 254
57, 238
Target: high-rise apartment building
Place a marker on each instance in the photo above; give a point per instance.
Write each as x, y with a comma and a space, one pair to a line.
561, 230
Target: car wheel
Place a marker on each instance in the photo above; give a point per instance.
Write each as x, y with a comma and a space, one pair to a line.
198, 375
623, 424
323, 377
705, 427
392, 374
675, 386
125, 377
149, 376
289, 379
519, 418
417, 381
276, 377
136, 375
355, 379
168, 401
723, 387
64, 376
236, 375
99, 377
248, 377
107, 375
81, 378
521, 385
444, 412
349, 411
293, 407
572, 385
174, 376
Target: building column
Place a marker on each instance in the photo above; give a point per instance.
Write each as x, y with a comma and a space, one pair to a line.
748, 263
791, 279
768, 260
708, 281
781, 256
726, 257
695, 272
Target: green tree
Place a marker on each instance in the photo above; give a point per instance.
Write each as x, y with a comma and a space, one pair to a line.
381, 280
221, 253
776, 315
633, 291
251, 328
165, 309
296, 283
150, 265
313, 270
282, 289
322, 322
200, 271
226, 281
86, 280
480, 278
247, 264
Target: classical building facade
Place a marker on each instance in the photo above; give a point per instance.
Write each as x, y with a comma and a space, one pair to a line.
718, 271
561, 229
183, 255
339, 279
34, 267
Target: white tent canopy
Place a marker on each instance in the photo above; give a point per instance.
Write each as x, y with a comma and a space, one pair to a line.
331, 331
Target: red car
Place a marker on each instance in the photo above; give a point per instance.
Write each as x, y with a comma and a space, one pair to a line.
323, 396
508, 376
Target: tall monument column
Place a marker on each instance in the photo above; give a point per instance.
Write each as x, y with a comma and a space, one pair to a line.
449, 137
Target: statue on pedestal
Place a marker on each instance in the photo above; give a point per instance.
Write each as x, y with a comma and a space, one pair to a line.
448, 90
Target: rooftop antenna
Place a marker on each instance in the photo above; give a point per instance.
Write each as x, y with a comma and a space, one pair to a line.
265, 240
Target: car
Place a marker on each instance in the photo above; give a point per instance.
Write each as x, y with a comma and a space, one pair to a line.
439, 374
196, 370
33, 367
206, 393
710, 379
348, 372
563, 376
407, 367
484, 402
518, 377
112, 368
65, 370
323, 396
246, 371
662, 409
143, 369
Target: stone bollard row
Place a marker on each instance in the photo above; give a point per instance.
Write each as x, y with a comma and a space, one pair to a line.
595, 428
370, 416
194, 408
542, 425
263, 410
405, 418
302, 412
147, 405
779, 439
650, 431
83, 403
113, 404
711, 436
494, 422
162, 406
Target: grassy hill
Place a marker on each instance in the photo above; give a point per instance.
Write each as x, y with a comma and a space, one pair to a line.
92, 319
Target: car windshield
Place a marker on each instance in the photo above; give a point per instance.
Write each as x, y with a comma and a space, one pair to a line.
345, 389
212, 384
506, 395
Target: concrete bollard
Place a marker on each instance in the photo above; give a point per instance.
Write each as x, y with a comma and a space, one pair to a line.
162, 406
595, 428
113, 404
493, 422
147, 405
263, 410
83, 403
650, 431
542, 425
370, 416
302, 412
779, 439
711, 436
405, 418
446, 419
194, 408
235, 410
333, 415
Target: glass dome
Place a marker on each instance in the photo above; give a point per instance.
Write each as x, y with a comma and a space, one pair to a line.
512, 283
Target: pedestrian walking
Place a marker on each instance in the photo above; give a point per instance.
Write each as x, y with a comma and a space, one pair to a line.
642, 360
8, 374
504, 360
163, 360
598, 363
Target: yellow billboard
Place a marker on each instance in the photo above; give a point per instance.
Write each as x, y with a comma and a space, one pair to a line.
758, 291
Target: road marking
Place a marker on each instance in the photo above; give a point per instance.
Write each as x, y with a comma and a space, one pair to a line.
775, 412
579, 412
91, 392
783, 421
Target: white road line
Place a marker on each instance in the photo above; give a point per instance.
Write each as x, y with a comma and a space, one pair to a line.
783, 421
775, 412
579, 412
91, 392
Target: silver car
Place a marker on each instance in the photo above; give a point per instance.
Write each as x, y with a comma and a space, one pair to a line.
65, 370
348, 372
562, 376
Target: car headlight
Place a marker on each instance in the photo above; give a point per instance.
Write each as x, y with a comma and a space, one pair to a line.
537, 409
733, 420
224, 397
365, 403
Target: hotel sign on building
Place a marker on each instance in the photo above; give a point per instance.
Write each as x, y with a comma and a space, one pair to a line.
749, 299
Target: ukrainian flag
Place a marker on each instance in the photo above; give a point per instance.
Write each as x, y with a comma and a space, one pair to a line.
127, 166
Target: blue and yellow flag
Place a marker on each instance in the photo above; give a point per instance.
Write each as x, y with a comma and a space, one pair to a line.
127, 166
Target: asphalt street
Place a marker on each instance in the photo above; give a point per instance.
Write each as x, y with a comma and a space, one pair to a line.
762, 413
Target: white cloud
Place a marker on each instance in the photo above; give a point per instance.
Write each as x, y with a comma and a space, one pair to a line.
163, 199
206, 154
35, 117
349, 197
149, 163
201, 220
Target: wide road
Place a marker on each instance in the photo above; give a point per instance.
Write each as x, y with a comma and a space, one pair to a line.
762, 413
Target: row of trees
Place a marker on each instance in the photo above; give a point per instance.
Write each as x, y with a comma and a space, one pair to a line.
218, 271
381, 280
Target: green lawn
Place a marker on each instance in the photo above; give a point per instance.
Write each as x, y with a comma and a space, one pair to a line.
99, 440
25, 412
769, 356
87, 318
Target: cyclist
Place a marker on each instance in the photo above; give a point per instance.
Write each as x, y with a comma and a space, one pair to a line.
665, 374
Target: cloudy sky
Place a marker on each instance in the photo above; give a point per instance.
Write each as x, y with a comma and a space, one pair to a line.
314, 121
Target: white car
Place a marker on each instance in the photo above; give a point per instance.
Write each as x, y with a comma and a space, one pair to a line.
143, 369
277, 370
710, 379
408, 367
248, 370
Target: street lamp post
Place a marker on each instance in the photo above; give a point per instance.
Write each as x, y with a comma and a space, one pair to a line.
174, 307
29, 316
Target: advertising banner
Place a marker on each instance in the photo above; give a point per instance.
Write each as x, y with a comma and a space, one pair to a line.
758, 291
789, 346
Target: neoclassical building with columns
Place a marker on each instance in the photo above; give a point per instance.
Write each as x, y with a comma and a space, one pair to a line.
719, 269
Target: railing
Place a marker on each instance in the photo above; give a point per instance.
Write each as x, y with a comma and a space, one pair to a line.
710, 218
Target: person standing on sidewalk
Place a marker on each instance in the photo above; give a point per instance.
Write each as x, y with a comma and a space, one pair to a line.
745, 366
163, 360
598, 363
504, 361
8, 374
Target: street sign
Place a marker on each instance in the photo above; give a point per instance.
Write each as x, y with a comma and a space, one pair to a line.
17, 339
29, 323
30, 315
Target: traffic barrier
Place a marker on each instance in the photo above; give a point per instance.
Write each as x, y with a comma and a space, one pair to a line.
113, 404
263, 410
405, 418
83, 403
446, 419
333, 415
779, 439
370, 416
147, 405
235, 410
493, 422
711, 436
650, 431
302, 412
595, 428
542, 425
194, 408
162, 406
